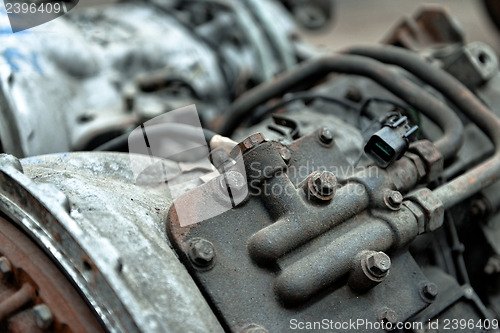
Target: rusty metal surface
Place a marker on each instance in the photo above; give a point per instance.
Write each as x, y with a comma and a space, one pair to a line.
287, 255
47, 286
108, 245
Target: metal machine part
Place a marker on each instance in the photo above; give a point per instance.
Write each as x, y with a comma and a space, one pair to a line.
311, 228
86, 81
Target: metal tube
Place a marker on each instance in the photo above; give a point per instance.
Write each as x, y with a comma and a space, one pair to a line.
481, 176
294, 229
16, 301
312, 71
323, 267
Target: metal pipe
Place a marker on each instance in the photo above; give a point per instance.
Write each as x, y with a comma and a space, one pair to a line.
16, 301
293, 230
320, 269
312, 71
481, 176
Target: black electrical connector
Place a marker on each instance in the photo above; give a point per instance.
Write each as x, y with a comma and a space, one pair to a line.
390, 142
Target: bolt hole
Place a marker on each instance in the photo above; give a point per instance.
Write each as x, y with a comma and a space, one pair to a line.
87, 266
483, 58
85, 118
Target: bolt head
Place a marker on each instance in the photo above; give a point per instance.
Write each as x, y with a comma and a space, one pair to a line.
378, 264
285, 154
325, 135
322, 184
388, 315
5, 268
430, 290
43, 316
235, 180
201, 252
251, 142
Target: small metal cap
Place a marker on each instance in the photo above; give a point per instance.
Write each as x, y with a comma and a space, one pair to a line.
43, 316
430, 290
201, 252
5, 268
325, 136
378, 264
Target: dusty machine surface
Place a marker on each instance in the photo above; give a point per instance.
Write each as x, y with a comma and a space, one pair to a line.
348, 192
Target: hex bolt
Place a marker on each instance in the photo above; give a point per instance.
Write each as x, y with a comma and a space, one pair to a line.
394, 200
247, 144
378, 264
322, 184
43, 316
430, 290
5, 268
254, 328
201, 252
325, 136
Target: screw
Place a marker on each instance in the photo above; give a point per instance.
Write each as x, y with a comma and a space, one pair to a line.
378, 264
394, 200
430, 290
201, 252
254, 328
325, 136
322, 184
43, 316
5, 268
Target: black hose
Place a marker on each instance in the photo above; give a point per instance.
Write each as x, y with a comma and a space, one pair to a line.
486, 173
312, 71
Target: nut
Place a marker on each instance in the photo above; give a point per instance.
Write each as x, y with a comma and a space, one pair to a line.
431, 207
43, 316
201, 252
378, 264
325, 136
430, 156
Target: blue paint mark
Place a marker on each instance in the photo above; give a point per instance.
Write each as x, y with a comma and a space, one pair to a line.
13, 57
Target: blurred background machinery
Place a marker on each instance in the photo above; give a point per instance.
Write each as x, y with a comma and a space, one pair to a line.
360, 184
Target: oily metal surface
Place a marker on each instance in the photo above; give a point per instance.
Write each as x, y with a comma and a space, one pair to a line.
244, 283
87, 212
29, 264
